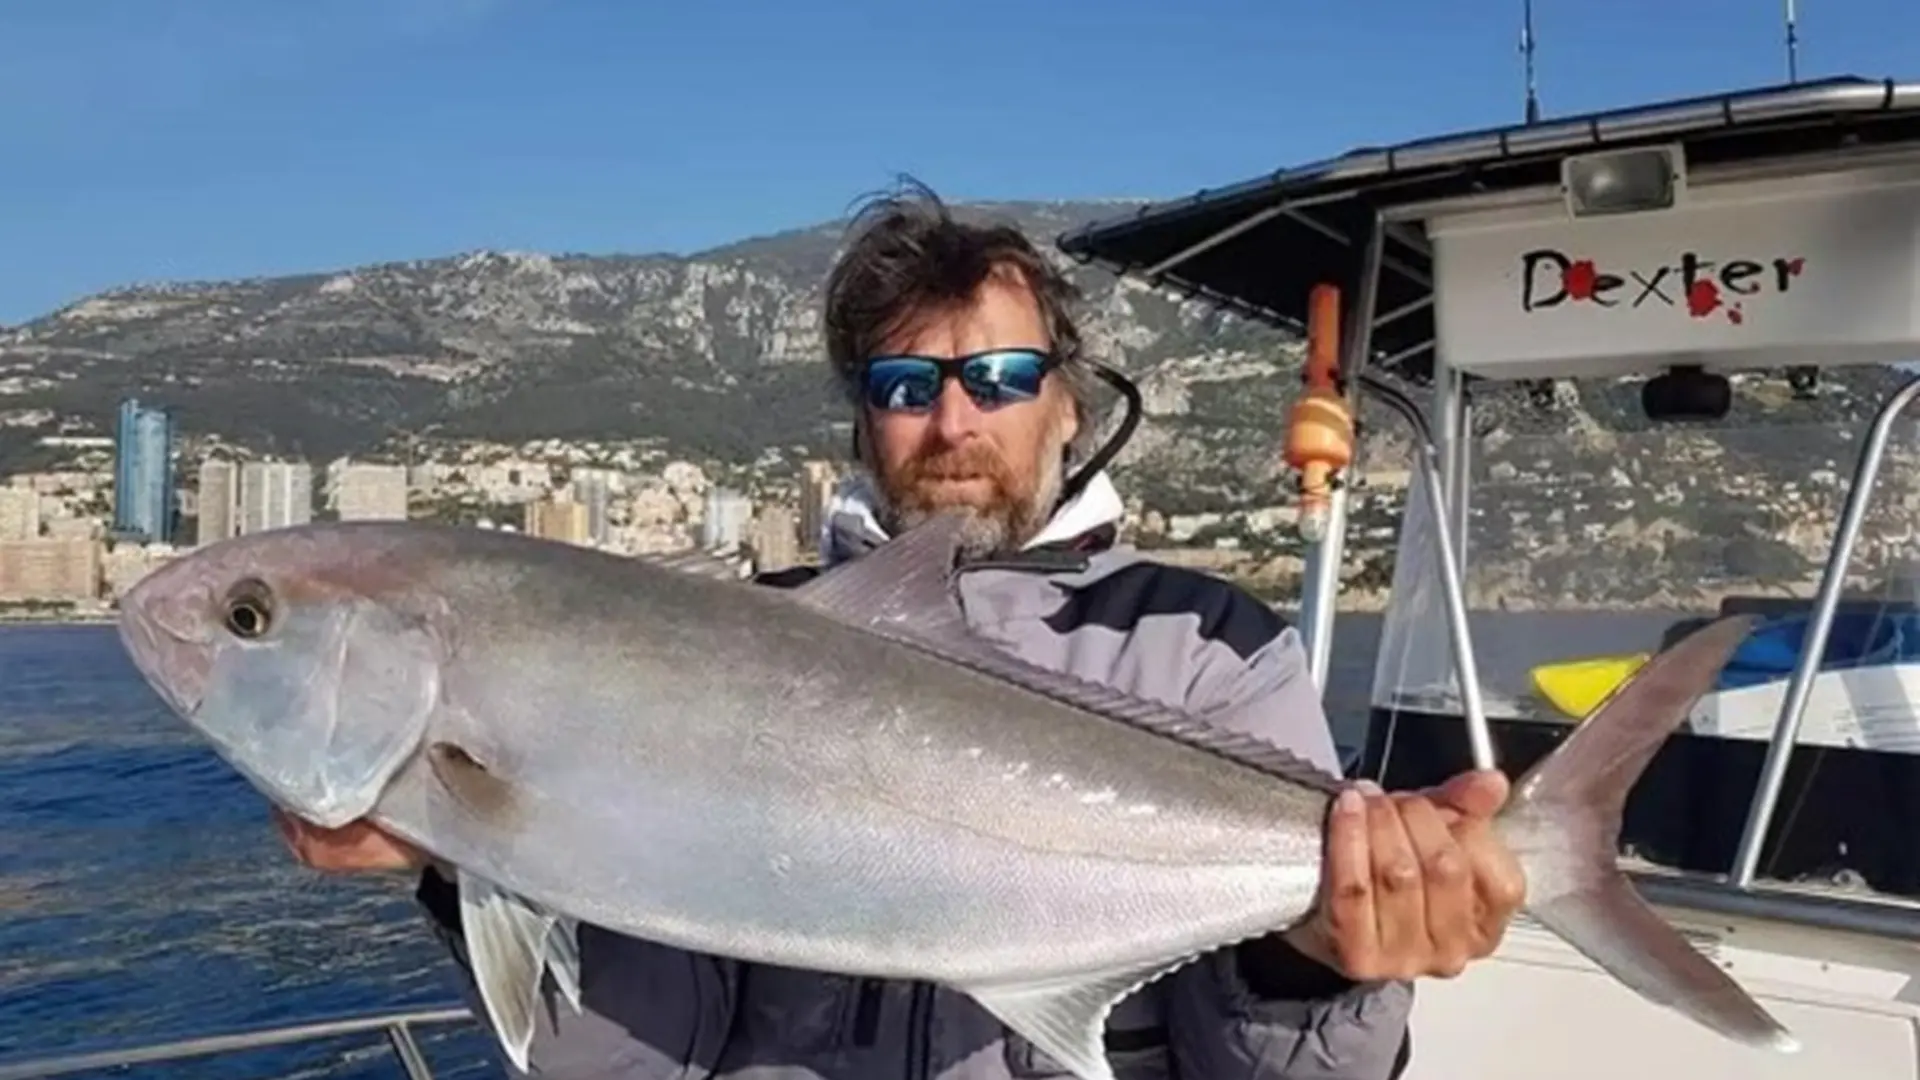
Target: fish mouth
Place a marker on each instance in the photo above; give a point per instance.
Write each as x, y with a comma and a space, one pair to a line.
166, 647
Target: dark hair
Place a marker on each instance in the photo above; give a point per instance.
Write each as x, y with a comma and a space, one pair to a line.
908, 255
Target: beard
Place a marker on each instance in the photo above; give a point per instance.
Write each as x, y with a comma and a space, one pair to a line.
1002, 509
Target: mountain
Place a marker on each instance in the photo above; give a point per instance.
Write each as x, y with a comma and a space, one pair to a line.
717, 355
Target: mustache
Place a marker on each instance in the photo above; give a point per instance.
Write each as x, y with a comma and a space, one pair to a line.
962, 463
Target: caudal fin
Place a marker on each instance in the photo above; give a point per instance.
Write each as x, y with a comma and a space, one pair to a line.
1564, 825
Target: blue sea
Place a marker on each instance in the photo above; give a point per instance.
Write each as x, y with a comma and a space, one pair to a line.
144, 896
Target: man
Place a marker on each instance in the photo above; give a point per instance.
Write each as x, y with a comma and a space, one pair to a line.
970, 389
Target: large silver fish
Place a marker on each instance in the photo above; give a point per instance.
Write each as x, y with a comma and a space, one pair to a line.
838, 778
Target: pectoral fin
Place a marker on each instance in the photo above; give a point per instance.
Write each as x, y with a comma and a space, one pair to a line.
697, 563
563, 959
510, 943
1067, 1020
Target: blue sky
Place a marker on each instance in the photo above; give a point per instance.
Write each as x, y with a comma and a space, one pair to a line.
168, 139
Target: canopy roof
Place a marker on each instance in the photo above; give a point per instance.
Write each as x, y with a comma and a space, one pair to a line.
1258, 247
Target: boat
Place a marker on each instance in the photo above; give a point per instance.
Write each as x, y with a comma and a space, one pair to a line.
1863, 693
1708, 253
1787, 860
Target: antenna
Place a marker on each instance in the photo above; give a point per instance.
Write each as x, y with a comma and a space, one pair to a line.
1526, 50
1793, 44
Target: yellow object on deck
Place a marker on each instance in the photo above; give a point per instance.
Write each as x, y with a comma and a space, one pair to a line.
1577, 687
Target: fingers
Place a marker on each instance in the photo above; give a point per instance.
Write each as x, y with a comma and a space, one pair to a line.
1480, 793
1399, 901
1418, 883
1499, 885
354, 847
288, 829
1451, 923
1347, 913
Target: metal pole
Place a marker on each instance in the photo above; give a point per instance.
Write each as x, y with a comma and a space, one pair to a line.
1447, 464
1320, 589
1213, 240
1793, 44
1460, 490
1466, 668
1786, 730
213, 1045
408, 1051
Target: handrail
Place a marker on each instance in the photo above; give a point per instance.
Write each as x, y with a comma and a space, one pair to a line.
1786, 729
1452, 578
397, 1026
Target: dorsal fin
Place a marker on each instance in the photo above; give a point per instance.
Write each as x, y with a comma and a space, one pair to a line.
904, 591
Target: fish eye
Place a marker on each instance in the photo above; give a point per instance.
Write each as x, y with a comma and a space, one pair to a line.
249, 609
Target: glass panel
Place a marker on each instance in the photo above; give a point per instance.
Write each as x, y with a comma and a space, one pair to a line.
1590, 547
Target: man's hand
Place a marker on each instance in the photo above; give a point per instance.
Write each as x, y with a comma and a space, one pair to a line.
355, 847
1415, 883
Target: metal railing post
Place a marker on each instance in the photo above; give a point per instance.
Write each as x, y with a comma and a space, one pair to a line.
1786, 730
396, 1025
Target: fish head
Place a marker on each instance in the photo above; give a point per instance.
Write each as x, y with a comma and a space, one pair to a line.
310, 658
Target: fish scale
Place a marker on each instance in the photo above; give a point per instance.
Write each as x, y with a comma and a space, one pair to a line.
839, 778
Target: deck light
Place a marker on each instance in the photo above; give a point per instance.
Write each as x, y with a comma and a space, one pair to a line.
1623, 181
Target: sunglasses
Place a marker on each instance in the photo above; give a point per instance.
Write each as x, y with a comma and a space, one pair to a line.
993, 378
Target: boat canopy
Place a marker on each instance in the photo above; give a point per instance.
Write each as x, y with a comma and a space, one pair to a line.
1259, 247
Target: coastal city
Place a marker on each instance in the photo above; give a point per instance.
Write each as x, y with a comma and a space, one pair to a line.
1664, 524
75, 537
72, 540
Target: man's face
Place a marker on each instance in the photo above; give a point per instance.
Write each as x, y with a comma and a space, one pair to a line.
1000, 462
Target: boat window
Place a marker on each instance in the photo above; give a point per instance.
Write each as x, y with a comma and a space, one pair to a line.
1591, 545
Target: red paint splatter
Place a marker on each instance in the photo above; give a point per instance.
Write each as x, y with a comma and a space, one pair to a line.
1580, 279
1735, 315
1794, 266
1702, 298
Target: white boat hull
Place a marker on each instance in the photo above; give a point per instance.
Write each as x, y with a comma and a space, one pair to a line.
1870, 708
1539, 1009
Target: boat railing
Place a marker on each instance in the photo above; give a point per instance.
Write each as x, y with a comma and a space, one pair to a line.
397, 1026
1786, 730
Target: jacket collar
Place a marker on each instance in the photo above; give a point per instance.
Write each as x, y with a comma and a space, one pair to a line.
1089, 520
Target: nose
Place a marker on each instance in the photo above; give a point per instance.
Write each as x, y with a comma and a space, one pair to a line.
956, 418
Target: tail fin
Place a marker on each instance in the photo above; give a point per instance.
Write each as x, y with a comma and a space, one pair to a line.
1564, 825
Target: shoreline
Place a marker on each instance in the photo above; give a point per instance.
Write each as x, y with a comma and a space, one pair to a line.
57, 620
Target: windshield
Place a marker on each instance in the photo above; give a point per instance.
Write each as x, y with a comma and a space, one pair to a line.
1589, 547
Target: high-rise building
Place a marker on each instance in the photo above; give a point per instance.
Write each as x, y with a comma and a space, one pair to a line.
143, 494
49, 569
724, 524
776, 543
275, 495
19, 514
593, 489
816, 481
556, 519
369, 492
219, 500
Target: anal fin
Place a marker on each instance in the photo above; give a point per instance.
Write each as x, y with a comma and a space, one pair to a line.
510, 943
1067, 1020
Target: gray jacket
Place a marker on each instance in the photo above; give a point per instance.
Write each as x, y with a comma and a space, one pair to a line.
1073, 602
